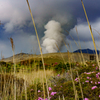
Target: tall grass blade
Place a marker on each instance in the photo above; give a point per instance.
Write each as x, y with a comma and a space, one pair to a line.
39, 46
91, 34
13, 47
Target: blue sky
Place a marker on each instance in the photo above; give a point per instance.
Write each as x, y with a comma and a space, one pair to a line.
17, 23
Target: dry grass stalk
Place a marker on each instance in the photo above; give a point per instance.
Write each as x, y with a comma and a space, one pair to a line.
25, 89
63, 97
91, 34
80, 86
12, 45
59, 97
43, 87
39, 46
96, 31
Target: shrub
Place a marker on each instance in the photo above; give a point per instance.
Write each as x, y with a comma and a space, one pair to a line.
90, 85
61, 67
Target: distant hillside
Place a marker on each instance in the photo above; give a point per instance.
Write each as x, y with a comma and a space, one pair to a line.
52, 57
89, 51
25, 56
18, 57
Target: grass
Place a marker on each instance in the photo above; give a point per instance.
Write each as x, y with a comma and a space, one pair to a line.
61, 83
34, 76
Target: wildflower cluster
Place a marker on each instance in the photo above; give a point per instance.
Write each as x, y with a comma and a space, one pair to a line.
91, 83
51, 93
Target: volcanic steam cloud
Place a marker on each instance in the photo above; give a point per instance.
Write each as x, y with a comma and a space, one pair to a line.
53, 37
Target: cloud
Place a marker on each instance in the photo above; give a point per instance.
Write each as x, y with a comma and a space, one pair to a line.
15, 14
82, 45
84, 32
53, 37
23, 42
5, 49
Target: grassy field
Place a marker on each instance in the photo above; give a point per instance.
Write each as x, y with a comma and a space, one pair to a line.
65, 81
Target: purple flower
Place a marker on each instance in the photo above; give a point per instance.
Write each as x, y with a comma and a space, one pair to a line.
91, 81
87, 81
88, 73
96, 67
97, 76
76, 79
58, 75
88, 77
99, 96
98, 82
86, 99
39, 98
93, 65
53, 93
94, 87
98, 73
39, 91
50, 88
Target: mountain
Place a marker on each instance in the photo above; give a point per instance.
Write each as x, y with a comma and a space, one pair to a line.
89, 51
18, 57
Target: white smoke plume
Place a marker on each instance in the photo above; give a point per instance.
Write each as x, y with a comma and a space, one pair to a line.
52, 37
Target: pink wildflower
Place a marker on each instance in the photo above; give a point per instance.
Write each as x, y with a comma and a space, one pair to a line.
58, 75
50, 88
39, 91
94, 87
96, 67
87, 81
93, 65
97, 76
76, 79
88, 77
39, 98
99, 96
86, 99
91, 81
98, 73
88, 73
53, 93
95, 82
98, 82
